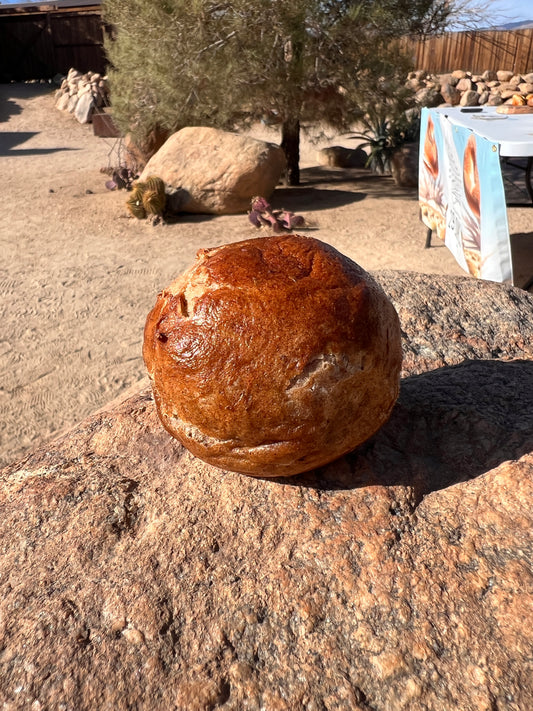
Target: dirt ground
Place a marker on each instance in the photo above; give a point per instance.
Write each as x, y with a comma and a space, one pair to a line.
78, 276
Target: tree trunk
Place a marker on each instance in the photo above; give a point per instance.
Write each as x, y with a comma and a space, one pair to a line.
290, 142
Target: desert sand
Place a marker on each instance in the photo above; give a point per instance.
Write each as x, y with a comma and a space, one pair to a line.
78, 276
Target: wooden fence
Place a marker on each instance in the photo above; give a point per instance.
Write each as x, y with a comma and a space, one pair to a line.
40, 45
475, 51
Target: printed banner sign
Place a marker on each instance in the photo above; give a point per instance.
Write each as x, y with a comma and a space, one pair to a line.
461, 195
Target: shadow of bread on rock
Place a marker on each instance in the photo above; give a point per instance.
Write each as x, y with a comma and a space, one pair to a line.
453, 362
446, 427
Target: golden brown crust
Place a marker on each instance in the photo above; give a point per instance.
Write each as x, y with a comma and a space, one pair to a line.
273, 356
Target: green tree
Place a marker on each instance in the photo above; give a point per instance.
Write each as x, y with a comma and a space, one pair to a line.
228, 63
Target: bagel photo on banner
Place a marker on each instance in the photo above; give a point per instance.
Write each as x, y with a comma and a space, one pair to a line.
462, 198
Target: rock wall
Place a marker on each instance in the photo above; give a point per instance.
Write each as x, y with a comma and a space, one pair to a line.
467, 89
133, 576
81, 94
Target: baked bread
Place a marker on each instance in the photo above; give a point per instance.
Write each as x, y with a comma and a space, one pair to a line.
273, 356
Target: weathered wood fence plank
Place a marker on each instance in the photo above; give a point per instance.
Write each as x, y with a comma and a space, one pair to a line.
40, 45
475, 51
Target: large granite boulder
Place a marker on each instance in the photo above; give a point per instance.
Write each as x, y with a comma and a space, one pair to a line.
133, 576
214, 171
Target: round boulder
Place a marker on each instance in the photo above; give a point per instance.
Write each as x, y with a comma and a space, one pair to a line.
216, 172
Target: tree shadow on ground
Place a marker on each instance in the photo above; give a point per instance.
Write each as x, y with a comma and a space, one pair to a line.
8, 108
314, 198
10, 139
449, 425
323, 188
355, 179
18, 90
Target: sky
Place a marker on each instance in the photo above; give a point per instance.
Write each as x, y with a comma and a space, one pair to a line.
522, 8
511, 10
502, 10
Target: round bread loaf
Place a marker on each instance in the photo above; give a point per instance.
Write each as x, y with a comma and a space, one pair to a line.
273, 356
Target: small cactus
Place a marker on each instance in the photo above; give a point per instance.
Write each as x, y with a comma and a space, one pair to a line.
122, 179
148, 198
154, 197
135, 202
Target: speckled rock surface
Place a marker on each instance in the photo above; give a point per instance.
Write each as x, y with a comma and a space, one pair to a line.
446, 320
133, 576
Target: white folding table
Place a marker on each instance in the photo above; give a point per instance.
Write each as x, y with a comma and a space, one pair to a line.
512, 132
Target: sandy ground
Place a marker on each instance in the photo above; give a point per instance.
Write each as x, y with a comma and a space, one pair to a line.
78, 277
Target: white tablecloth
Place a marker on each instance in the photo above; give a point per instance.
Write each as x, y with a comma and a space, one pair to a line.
513, 132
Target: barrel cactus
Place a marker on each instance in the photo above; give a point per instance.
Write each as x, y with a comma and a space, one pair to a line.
147, 199
154, 197
135, 202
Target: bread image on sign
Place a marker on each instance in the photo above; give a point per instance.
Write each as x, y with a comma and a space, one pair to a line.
471, 217
431, 190
273, 356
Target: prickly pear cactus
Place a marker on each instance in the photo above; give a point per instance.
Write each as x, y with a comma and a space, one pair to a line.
262, 215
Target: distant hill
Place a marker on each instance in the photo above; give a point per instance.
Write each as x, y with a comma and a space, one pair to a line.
520, 25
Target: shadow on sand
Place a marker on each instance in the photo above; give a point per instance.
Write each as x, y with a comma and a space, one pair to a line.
18, 90
10, 139
295, 199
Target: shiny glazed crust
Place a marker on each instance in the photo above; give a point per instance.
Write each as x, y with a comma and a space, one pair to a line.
273, 356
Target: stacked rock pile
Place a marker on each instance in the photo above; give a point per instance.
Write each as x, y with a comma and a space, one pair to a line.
463, 88
80, 94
